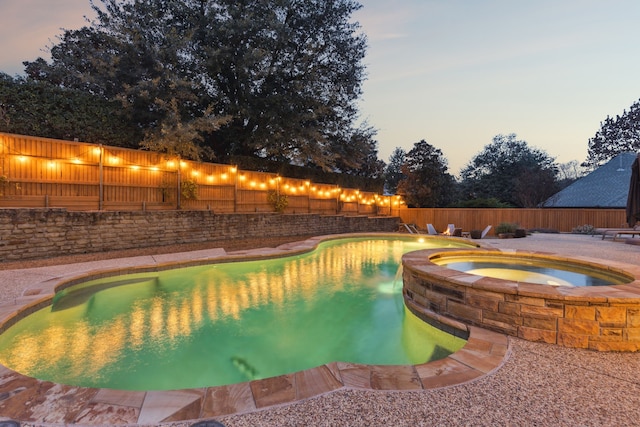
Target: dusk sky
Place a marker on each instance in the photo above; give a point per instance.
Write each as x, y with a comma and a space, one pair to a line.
453, 72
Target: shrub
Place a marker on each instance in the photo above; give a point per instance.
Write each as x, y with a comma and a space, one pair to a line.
278, 202
506, 227
584, 229
189, 189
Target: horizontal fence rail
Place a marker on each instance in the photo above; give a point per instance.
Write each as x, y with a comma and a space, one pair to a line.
562, 220
41, 172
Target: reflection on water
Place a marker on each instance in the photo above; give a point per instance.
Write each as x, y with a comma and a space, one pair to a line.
226, 323
544, 272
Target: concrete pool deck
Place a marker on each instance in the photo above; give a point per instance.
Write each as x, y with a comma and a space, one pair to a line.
528, 384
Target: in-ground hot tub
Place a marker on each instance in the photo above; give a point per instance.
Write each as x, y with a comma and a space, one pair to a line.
531, 268
600, 311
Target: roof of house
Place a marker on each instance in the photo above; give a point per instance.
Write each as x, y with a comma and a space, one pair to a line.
605, 187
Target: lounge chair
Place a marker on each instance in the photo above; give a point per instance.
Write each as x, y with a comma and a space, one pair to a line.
431, 229
411, 228
620, 233
615, 232
485, 231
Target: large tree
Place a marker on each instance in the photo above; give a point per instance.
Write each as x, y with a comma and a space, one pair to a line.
510, 171
287, 73
393, 171
426, 182
615, 136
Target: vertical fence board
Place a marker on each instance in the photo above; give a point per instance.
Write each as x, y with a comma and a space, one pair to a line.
55, 173
563, 220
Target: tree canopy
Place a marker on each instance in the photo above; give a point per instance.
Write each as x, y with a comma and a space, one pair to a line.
426, 182
510, 171
615, 136
35, 108
393, 171
277, 80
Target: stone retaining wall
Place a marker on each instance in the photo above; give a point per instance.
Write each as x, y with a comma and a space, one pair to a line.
42, 233
603, 318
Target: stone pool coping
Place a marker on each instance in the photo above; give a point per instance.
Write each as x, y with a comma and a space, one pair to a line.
602, 318
35, 401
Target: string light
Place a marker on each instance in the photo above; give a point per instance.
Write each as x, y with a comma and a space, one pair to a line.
293, 187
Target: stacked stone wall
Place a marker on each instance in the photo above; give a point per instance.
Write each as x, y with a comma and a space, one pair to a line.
603, 318
42, 233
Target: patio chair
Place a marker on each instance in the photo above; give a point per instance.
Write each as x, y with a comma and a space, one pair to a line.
411, 228
616, 232
431, 229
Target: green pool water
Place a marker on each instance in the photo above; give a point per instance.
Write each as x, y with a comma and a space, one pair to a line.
228, 323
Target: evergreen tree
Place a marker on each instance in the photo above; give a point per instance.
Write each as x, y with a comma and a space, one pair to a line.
427, 182
393, 172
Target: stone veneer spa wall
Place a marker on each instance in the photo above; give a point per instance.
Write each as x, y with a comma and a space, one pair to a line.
603, 318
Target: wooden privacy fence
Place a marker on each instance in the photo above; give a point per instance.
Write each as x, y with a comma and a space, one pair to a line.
564, 220
42, 172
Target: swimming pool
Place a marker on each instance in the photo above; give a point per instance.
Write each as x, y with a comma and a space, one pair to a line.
232, 322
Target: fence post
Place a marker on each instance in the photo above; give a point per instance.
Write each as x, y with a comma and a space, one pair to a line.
235, 189
100, 179
178, 201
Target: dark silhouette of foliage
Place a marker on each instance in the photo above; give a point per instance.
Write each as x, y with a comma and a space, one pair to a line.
615, 136
510, 171
393, 172
427, 182
35, 108
277, 80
